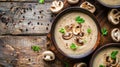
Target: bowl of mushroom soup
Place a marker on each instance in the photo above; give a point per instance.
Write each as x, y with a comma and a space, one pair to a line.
75, 33
106, 56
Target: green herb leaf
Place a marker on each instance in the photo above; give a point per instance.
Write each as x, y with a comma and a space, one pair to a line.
89, 30
79, 20
101, 66
36, 48
73, 46
62, 30
104, 31
113, 54
41, 1
66, 64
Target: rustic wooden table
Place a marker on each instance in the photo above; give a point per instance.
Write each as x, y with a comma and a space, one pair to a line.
29, 24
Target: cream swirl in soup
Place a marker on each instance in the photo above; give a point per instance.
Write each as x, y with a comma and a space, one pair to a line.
76, 34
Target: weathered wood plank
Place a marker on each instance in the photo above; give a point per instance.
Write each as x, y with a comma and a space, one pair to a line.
16, 51
25, 18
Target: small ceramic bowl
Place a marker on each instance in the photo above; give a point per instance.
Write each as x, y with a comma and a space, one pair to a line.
97, 56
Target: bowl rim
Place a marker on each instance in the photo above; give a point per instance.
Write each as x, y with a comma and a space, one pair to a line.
101, 48
71, 9
109, 6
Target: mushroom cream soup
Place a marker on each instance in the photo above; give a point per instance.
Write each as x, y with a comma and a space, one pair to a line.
111, 2
109, 57
75, 34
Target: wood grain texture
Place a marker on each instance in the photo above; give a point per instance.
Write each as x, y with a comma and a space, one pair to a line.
25, 18
16, 51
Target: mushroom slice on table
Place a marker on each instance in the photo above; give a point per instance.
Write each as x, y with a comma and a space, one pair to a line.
115, 34
48, 55
114, 16
88, 6
72, 1
80, 65
56, 6
67, 35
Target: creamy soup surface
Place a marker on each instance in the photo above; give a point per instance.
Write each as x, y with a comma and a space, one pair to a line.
103, 58
84, 40
111, 2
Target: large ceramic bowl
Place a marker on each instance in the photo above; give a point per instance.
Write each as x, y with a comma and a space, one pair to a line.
75, 33
106, 56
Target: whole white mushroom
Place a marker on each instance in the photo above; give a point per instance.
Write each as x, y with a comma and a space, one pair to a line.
114, 16
73, 1
88, 6
56, 6
115, 34
81, 64
48, 55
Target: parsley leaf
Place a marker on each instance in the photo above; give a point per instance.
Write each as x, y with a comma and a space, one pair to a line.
36, 48
41, 1
73, 46
101, 66
89, 30
104, 31
66, 64
62, 30
113, 54
79, 20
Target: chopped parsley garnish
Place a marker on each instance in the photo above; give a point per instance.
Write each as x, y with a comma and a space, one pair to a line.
62, 30
104, 31
79, 20
66, 64
101, 66
36, 48
89, 30
113, 54
41, 1
73, 46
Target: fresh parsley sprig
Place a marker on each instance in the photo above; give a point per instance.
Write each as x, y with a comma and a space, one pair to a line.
79, 20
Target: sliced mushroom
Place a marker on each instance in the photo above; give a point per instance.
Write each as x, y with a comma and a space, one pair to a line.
67, 35
48, 55
114, 16
56, 6
79, 41
76, 30
73, 1
115, 34
110, 62
68, 28
88, 6
80, 65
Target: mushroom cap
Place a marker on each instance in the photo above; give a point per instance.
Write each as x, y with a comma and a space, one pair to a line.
88, 6
76, 30
56, 6
114, 16
80, 64
67, 36
115, 34
72, 1
48, 55
79, 41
